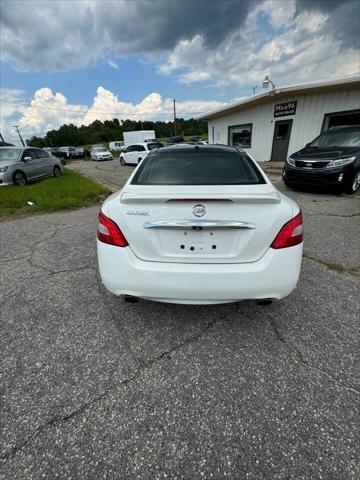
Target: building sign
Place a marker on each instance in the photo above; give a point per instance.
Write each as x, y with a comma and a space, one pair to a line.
285, 109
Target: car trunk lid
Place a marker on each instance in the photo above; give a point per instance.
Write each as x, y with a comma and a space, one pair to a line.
200, 224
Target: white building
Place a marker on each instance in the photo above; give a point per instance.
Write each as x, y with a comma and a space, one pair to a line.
276, 123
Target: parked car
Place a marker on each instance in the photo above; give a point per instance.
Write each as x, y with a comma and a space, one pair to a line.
176, 139
79, 152
199, 225
69, 151
99, 152
55, 152
331, 160
133, 154
21, 165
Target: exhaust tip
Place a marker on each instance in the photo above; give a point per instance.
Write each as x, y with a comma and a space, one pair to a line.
264, 301
130, 299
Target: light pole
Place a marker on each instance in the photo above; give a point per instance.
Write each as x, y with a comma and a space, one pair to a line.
175, 117
18, 132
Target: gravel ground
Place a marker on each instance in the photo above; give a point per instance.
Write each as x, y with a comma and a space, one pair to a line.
96, 388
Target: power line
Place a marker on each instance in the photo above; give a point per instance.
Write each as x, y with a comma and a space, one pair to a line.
98, 111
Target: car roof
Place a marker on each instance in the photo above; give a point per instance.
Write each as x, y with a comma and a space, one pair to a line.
14, 147
144, 143
186, 147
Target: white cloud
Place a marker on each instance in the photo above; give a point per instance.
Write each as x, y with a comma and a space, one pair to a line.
280, 12
301, 48
185, 52
113, 64
194, 76
48, 110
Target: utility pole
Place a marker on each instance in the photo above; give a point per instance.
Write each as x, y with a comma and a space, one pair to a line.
18, 132
174, 116
142, 125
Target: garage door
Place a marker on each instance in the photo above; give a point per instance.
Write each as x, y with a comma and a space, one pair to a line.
351, 117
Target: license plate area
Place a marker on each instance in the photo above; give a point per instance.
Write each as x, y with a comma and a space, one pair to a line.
198, 242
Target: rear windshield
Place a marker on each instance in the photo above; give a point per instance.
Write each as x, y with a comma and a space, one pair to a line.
197, 168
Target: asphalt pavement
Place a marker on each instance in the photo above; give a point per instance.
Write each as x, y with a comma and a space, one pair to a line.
95, 388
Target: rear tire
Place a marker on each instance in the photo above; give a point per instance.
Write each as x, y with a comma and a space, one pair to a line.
139, 160
57, 172
19, 178
354, 185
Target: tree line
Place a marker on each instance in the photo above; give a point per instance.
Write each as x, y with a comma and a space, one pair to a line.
111, 130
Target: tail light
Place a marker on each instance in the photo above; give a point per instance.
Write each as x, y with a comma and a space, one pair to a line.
109, 232
291, 233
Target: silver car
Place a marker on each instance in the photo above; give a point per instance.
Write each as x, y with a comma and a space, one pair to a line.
21, 165
99, 152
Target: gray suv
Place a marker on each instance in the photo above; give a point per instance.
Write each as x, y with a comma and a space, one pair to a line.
21, 165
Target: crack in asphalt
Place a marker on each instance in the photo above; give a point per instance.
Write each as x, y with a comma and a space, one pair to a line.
64, 226
295, 352
334, 266
32, 248
350, 215
57, 419
15, 290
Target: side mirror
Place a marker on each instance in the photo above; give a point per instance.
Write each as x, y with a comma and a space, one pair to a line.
27, 159
308, 145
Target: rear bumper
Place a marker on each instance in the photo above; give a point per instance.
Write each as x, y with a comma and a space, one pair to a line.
275, 275
318, 177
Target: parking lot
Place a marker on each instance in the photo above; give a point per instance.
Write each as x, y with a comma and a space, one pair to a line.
97, 388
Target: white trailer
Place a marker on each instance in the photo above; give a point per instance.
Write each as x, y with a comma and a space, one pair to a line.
139, 136
116, 146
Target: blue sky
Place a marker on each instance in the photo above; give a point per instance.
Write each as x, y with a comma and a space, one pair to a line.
105, 59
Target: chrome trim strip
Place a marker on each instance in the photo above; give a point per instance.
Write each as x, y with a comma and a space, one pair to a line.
199, 223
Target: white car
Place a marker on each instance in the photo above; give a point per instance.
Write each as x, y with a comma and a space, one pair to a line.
199, 225
133, 154
99, 153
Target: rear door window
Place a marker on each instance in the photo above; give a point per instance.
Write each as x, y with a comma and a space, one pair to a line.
41, 154
198, 167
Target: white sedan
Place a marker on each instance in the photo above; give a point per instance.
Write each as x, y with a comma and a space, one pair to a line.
100, 153
134, 154
199, 225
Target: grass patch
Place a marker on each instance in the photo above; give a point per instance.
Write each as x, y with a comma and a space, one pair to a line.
71, 190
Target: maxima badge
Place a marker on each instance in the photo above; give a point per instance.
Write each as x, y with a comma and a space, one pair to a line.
199, 210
